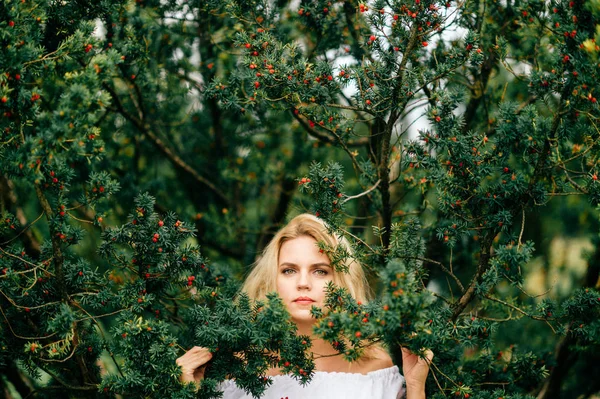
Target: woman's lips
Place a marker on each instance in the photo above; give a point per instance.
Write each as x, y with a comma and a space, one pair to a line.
303, 301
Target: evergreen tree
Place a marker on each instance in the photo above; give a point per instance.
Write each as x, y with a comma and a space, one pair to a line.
150, 149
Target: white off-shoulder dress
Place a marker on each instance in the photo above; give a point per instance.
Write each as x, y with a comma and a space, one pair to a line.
386, 383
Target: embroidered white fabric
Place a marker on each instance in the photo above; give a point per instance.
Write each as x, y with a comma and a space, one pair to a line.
386, 383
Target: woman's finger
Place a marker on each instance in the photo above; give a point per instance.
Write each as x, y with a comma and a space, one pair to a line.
193, 362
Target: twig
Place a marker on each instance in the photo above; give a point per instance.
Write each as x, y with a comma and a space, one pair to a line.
103, 336
326, 138
491, 298
437, 382
362, 194
19, 336
12, 302
441, 265
522, 229
27, 262
66, 385
24, 230
170, 154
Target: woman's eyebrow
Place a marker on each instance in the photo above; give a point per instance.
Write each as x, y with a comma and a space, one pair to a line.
313, 265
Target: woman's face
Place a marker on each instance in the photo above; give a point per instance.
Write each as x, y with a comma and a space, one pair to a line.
302, 274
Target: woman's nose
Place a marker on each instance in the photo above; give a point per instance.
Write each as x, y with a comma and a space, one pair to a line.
303, 281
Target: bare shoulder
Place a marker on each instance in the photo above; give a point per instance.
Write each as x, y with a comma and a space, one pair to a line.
377, 359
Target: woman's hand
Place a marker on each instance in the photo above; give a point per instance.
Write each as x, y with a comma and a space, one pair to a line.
193, 364
415, 370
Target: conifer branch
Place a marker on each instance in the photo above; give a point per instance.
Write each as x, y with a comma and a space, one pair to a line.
9, 196
65, 384
500, 301
385, 141
325, 138
482, 267
56, 250
164, 149
20, 336
363, 193
444, 268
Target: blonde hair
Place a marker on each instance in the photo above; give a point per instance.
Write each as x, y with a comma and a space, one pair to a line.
262, 278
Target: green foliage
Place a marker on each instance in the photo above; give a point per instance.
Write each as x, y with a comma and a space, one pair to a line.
452, 144
248, 339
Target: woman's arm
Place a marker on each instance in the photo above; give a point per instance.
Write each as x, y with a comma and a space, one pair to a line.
415, 370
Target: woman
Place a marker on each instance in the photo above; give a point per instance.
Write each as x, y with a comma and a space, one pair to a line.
293, 265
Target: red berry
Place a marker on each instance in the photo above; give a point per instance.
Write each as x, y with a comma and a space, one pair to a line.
256, 85
358, 334
248, 45
161, 223
4, 100
11, 24
372, 38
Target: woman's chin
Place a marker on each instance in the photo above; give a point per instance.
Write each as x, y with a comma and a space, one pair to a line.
303, 318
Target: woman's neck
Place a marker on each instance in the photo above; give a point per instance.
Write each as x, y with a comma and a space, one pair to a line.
320, 347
